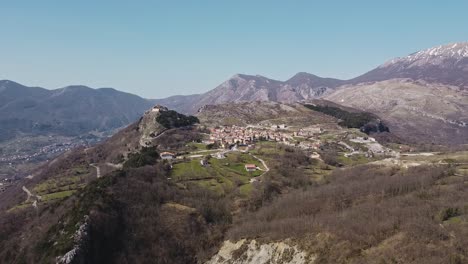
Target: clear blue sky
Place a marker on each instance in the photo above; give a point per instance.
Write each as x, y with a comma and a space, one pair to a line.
161, 48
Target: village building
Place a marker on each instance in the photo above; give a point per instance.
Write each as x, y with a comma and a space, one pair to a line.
219, 155
159, 108
250, 167
167, 155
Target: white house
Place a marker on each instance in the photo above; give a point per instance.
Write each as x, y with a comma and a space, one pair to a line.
167, 155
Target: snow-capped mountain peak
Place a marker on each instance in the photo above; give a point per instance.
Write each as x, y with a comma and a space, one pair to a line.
433, 56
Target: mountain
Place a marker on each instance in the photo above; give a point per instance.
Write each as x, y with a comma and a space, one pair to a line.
422, 96
70, 111
433, 82
418, 111
446, 64
247, 88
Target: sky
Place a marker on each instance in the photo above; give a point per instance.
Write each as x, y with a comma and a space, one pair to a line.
157, 48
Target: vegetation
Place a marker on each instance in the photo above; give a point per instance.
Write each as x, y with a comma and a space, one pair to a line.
366, 122
219, 175
365, 212
147, 156
172, 119
180, 211
178, 139
130, 216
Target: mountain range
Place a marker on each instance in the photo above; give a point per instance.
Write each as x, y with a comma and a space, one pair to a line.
70, 111
447, 64
423, 96
178, 189
434, 82
247, 88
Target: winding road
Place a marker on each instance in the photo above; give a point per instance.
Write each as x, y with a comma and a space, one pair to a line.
38, 197
267, 169
98, 170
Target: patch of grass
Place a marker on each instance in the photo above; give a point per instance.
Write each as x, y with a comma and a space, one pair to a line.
19, 207
59, 184
57, 195
212, 185
246, 189
317, 174
80, 170
220, 175
189, 170
198, 146
454, 220
353, 160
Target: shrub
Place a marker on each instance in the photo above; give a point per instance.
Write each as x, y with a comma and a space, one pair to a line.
366, 122
147, 156
172, 119
448, 213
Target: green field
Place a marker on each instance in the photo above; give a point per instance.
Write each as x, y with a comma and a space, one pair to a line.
197, 146
457, 157
353, 160
57, 195
220, 175
59, 184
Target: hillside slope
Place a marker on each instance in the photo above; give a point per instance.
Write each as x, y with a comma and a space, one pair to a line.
418, 111
266, 113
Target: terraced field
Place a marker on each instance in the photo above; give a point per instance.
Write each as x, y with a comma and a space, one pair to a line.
220, 174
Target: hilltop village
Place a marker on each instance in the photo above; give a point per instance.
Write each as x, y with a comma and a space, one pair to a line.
307, 138
220, 140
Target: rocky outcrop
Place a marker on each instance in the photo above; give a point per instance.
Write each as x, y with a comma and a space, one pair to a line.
149, 127
255, 252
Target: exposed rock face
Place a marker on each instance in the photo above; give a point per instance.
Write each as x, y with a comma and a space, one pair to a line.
416, 110
149, 127
253, 252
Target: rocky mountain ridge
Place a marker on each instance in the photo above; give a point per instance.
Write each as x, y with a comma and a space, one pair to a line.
245, 88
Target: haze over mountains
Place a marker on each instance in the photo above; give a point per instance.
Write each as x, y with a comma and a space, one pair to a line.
70, 111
